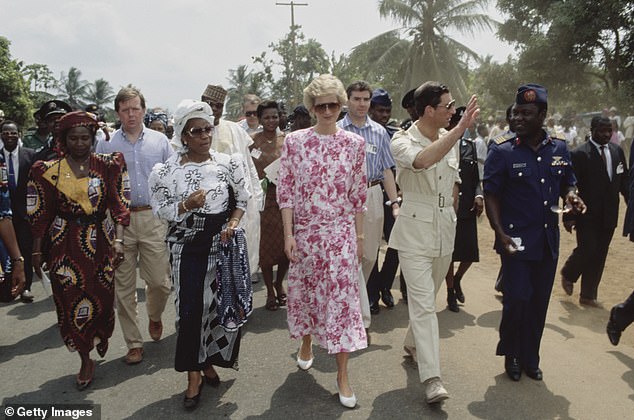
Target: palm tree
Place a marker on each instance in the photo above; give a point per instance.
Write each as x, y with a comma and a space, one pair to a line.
100, 93
241, 82
72, 88
422, 49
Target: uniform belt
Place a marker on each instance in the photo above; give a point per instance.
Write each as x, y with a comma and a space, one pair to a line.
373, 183
437, 199
140, 208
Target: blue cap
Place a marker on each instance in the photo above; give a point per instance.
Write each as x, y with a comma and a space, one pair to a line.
531, 93
381, 97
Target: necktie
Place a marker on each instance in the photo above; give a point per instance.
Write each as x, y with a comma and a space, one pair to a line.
11, 173
605, 161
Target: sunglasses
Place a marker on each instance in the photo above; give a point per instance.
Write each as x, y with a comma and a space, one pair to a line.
334, 106
449, 105
251, 113
198, 132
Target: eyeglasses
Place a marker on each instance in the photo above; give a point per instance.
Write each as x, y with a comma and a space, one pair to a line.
251, 113
198, 132
334, 106
449, 105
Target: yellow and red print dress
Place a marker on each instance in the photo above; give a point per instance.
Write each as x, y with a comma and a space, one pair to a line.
77, 216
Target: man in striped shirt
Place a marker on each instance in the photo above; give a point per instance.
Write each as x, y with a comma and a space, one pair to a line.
379, 162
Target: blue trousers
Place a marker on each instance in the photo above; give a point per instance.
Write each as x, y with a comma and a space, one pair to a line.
527, 288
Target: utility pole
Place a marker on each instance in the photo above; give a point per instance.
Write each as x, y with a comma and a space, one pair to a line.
292, 4
292, 75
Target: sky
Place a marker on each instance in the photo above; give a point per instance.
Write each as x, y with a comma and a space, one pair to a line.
172, 49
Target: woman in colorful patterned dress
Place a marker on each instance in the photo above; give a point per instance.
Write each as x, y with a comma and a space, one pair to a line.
68, 201
266, 148
192, 192
321, 192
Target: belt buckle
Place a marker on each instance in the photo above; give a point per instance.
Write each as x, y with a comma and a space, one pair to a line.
441, 201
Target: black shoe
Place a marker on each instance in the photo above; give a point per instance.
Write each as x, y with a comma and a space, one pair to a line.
614, 334
191, 403
452, 304
215, 381
387, 298
404, 294
512, 368
534, 373
458, 289
374, 308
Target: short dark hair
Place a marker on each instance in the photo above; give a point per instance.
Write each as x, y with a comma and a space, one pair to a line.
358, 86
8, 122
598, 120
127, 93
428, 94
267, 105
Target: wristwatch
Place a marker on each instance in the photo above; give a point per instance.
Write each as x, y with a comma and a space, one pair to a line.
18, 259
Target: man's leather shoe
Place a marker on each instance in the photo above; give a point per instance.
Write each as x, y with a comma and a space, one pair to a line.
513, 368
134, 356
567, 285
614, 333
26, 296
452, 303
156, 330
534, 373
589, 302
387, 298
374, 308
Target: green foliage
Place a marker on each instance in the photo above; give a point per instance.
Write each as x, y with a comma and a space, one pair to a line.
420, 49
100, 93
14, 91
580, 49
72, 89
295, 62
241, 81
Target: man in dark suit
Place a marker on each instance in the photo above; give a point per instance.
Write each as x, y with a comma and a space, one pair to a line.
18, 162
601, 171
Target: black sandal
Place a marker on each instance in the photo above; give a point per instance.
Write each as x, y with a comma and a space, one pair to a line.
191, 402
271, 303
281, 299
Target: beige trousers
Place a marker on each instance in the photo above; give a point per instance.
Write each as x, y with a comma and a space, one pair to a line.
143, 239
424, 276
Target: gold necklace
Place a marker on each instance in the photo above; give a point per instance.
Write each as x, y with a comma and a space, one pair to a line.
81, 164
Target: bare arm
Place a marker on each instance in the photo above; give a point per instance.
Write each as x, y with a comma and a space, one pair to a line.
389, 184
433, 153
289, 237
7, 234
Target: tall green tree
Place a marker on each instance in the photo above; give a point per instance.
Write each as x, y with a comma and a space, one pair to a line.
72, 88
40, 80
294, 63
100, 93
241, 81
572, 43
422, 49
14, 90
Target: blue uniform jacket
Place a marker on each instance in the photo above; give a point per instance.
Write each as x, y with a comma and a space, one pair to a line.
528, 183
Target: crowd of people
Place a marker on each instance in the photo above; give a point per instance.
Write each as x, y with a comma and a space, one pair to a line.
199, 204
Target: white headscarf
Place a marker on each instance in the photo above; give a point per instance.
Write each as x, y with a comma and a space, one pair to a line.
187, 110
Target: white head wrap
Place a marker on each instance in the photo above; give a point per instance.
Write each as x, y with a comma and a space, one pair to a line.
187, 110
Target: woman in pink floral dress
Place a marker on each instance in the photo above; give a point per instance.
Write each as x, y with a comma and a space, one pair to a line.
321, 192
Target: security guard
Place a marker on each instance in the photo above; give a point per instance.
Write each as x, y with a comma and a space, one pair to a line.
524, 175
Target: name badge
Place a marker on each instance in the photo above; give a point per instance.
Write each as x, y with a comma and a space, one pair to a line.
619, 169
256, 153
371, 148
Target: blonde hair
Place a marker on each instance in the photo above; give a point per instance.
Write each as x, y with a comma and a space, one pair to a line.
322, 85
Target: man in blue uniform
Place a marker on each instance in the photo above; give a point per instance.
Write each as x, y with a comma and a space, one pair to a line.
525, 174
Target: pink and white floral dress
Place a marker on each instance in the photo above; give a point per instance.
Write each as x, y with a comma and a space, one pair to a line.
323, 179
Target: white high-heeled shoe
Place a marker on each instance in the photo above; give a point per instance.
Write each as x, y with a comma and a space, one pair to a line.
304, 364
348, 402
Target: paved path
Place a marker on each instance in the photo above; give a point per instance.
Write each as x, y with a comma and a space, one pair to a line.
584, 376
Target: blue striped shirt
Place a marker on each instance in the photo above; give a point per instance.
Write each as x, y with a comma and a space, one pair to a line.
378, 157
150, 148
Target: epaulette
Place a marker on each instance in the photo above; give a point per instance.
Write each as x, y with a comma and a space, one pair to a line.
504, 137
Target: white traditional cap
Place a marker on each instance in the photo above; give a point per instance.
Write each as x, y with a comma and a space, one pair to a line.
188, 109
